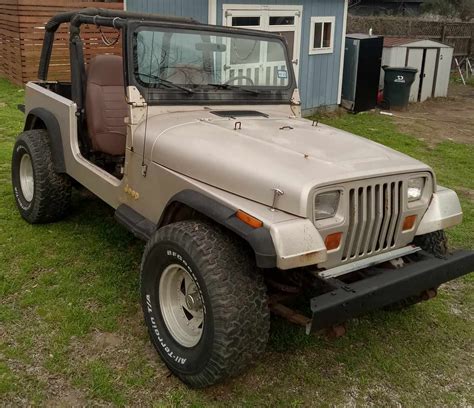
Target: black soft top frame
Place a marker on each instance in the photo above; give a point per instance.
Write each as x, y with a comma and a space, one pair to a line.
123, 20
103, 17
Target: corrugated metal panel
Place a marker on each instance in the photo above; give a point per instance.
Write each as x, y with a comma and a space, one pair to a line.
319, 74
197, 9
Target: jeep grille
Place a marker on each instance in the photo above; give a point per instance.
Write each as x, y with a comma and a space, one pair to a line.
373, 211
374, 219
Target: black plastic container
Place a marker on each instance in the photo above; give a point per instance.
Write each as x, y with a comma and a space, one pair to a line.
397, 85
362, 62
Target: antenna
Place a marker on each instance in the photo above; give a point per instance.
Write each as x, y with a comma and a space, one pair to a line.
144, 166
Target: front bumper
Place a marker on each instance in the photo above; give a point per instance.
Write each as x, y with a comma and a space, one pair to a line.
386, 287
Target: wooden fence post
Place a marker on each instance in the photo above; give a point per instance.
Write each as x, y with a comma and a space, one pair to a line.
443, 33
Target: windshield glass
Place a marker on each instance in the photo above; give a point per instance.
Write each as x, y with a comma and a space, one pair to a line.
198, 60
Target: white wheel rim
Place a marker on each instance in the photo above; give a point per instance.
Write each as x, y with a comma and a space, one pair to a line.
27, 181
181, 305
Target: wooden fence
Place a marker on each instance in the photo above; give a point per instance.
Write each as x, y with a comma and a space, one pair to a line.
458, 35
21, 37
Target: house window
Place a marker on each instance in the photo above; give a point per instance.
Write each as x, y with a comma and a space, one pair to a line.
322, 35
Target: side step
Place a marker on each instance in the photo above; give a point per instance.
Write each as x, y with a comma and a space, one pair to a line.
138, 225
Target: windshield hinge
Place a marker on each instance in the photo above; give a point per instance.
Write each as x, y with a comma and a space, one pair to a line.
134, 97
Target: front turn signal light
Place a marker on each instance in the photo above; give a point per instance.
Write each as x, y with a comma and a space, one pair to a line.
333, 241
248, 219
409, 222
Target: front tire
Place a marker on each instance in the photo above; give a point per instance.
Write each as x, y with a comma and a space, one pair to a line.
204, 302
41, 194
436, 243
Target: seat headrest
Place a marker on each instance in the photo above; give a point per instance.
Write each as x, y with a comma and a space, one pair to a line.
105, 70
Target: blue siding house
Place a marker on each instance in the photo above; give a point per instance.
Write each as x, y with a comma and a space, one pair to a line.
314, 30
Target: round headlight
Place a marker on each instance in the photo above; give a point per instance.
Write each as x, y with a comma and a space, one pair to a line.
325, 204
415, 188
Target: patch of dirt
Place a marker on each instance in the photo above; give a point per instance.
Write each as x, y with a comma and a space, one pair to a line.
441, 119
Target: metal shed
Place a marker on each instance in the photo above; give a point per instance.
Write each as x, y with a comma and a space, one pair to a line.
431, 59
314, 29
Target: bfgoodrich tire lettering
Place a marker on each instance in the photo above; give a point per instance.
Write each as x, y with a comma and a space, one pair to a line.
52, 191
236, 317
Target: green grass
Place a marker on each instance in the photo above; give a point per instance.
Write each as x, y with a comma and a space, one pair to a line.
71, 330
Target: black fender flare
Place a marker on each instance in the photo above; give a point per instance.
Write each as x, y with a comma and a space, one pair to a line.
259, 239
54, 134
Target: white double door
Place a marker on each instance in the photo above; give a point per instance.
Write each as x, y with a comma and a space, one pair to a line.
285, 20
424, 60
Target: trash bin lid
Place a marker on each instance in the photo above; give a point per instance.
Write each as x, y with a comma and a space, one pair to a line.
400, 69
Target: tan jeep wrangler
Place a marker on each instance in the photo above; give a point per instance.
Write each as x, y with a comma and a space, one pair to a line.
195, 138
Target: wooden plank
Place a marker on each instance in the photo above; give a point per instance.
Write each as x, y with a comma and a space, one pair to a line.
22, 32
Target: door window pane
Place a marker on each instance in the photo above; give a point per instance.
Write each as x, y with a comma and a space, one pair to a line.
282, 20
245, 21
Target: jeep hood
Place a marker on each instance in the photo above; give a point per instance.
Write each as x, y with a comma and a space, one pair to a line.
250, 156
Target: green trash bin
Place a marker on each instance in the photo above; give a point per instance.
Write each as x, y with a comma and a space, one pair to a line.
398, 82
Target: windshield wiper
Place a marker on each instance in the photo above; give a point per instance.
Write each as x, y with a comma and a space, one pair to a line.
165, 82
228, 86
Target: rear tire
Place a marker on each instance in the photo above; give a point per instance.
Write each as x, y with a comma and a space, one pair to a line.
231, 322
41, 194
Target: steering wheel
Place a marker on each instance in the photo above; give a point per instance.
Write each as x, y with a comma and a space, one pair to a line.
233, 79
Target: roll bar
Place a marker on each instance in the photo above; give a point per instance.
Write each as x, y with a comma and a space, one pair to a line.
103, 17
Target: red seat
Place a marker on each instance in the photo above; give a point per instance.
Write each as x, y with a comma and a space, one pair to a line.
106, 107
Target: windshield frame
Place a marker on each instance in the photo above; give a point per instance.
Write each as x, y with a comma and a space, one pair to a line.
205, 95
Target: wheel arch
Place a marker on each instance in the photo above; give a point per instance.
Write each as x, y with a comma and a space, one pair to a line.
259, 239
40, 118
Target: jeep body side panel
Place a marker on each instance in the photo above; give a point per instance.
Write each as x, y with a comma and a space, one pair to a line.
98, 181
162, 186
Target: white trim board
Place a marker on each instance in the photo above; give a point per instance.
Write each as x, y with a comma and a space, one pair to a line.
212, 12
271, 7
343, 51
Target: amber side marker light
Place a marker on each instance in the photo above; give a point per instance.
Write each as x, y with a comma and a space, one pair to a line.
333, 241
409, 222
248, 219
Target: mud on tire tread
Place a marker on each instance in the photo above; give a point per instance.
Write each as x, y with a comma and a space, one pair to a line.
435, 243
237, 295
52, 193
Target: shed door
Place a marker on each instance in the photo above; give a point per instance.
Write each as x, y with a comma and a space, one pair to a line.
415, 60
429, 69
444, 70
282, 20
